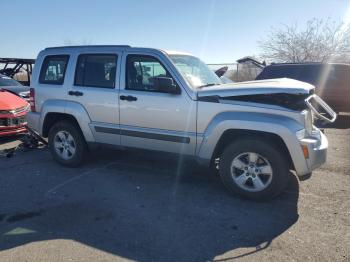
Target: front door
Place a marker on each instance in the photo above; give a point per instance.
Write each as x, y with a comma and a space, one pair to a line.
151, 117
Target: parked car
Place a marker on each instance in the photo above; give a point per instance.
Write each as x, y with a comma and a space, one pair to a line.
332, 81
14, 87
172, 102
13, 110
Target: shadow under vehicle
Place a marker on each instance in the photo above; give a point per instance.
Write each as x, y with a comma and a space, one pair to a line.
141, 209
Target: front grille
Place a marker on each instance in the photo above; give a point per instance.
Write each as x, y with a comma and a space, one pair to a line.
3, 122
17, 121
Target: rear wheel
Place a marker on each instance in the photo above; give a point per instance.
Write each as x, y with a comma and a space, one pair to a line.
254, 169
67, 144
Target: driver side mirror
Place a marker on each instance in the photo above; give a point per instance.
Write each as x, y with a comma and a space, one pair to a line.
166, 85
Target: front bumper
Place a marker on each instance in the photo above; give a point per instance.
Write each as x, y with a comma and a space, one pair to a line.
317, 148
13, 124
13, 131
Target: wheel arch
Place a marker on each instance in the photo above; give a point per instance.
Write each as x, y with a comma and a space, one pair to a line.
231, 135
53, 117
56, 110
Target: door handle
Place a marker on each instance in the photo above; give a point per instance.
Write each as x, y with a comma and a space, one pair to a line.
128, 98
75, 93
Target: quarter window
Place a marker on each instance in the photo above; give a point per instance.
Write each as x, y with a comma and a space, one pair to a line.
53, 69
143, 73
96, 70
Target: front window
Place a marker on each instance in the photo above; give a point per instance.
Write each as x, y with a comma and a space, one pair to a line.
146, 73
8, 81
197, 73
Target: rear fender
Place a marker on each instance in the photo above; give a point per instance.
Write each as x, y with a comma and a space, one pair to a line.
71, 108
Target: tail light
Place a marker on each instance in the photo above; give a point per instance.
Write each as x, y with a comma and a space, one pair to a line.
32, 99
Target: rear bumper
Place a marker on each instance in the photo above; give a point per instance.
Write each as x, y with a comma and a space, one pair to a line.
317, 148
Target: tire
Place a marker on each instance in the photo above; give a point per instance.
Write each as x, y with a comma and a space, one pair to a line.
68, 135
254, 182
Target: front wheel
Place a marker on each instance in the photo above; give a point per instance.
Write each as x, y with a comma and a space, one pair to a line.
254, 169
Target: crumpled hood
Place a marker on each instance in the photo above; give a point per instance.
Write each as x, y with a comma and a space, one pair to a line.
270, 86
10, 101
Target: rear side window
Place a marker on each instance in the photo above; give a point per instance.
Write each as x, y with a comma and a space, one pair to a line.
96, 70
53, 69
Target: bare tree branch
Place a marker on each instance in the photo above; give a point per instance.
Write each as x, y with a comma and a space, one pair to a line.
320, 41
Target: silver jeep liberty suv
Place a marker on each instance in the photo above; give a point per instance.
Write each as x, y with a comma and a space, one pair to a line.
254, 132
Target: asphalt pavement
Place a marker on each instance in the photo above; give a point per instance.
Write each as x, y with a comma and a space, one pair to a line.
136, 206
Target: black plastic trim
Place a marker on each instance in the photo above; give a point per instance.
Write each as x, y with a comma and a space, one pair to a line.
211, 99
155, 136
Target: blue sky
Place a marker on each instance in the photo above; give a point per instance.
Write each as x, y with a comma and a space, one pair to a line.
216, 31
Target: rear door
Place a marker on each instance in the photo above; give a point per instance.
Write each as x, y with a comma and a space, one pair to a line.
95, 85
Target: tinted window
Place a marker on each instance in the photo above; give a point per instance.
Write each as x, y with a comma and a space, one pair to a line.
53, 69
306, 73
310, 74
341, 73
142, 73
280, 72
96, 70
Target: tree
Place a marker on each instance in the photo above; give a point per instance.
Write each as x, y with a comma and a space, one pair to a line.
320, 41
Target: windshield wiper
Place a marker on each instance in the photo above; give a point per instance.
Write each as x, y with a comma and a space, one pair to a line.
206, 85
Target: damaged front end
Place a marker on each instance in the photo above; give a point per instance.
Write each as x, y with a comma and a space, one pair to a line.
297, 102
280, 93
289, 101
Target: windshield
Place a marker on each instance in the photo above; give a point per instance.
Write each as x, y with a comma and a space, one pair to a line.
197, 73
8, 81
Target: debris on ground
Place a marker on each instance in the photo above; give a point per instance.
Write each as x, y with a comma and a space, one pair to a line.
31, 140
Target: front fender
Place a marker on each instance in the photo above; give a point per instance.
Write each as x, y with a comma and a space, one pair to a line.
282, 126
71, 108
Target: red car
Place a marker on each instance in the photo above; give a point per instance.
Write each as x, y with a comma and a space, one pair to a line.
13, 110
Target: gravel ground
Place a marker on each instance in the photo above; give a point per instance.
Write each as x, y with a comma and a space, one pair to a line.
127, 205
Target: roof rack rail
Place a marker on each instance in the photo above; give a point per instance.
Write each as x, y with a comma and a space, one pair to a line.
79, 46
